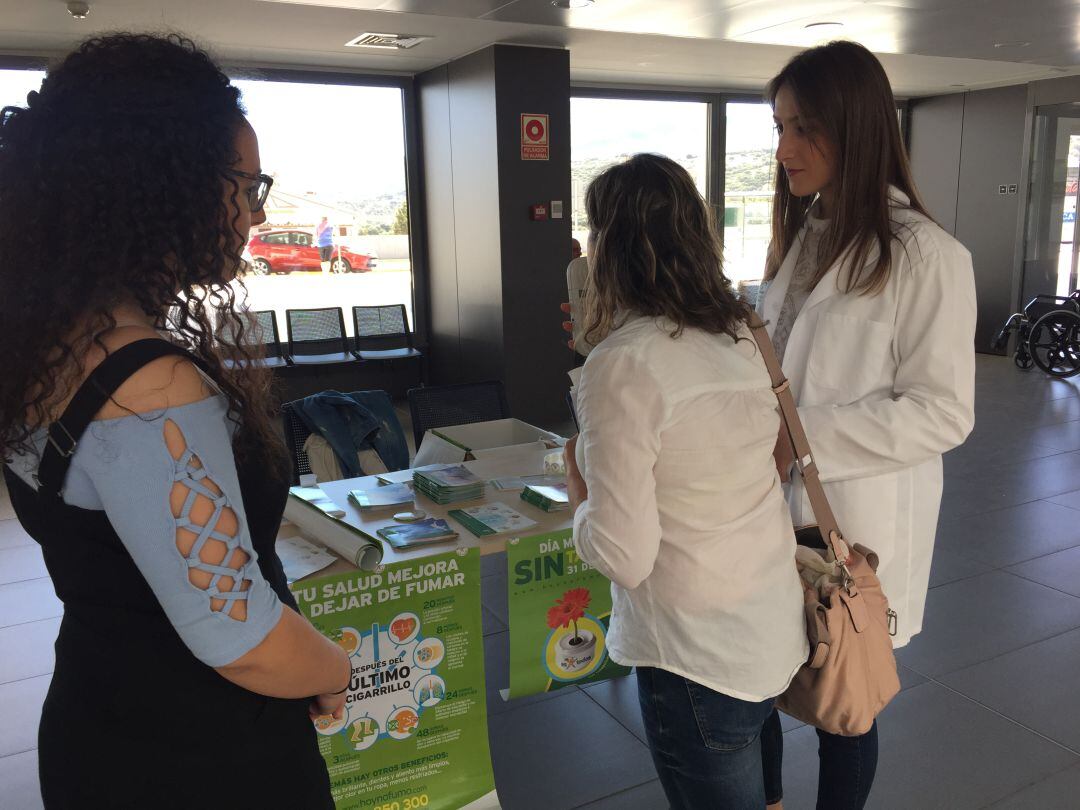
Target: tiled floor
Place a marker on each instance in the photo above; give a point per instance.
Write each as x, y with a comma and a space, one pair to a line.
989, 715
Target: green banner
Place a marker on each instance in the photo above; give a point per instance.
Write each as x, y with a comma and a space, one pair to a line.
414, 734
560, 608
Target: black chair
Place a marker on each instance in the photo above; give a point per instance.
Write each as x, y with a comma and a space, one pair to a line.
273, 354
296, 434
380, 405
439, 406
382, 333
264, 334
317, 336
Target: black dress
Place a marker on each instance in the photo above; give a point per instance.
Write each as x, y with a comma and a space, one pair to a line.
132, 718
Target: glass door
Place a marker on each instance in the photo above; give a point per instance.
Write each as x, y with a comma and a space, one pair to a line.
1052, 247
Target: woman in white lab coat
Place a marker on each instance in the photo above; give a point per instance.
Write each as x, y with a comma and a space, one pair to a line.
871, 307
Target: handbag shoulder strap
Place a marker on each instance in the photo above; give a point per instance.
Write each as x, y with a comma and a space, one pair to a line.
804, 457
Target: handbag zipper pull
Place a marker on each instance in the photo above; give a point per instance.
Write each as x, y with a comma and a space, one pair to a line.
890, 616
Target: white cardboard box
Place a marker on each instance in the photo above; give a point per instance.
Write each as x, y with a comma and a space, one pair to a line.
466, 442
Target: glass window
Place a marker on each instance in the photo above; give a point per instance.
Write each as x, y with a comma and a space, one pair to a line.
15, 84
337, 156
604, 131
749, 175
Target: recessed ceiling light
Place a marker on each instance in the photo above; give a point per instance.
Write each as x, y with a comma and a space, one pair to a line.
572, 3
1019, 43
822, 25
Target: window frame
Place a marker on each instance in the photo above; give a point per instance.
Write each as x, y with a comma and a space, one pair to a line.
715, 160
717, 101
714, 156
414, 189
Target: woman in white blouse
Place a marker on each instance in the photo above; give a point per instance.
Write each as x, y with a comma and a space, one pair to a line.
674, 488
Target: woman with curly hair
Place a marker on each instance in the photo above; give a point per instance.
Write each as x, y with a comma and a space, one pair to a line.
145, 466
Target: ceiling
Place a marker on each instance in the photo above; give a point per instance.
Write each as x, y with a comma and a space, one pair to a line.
927, 46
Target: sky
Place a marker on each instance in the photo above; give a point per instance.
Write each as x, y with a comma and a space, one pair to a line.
341, 141
602, 127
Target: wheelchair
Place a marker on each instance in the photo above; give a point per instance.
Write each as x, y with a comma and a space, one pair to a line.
1048, 335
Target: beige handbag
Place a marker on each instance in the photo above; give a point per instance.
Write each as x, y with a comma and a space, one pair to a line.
850, 675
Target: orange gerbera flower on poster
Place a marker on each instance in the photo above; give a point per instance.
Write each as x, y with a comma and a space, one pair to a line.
569, 608
578, 599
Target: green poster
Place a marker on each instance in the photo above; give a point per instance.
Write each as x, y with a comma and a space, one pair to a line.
560, 609
414, 734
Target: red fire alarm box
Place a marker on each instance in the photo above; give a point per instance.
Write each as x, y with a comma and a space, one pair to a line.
538, 212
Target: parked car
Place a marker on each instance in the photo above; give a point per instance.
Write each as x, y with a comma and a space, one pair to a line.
287, 250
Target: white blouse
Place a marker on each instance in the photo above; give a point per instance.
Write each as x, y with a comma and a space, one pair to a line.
685, 513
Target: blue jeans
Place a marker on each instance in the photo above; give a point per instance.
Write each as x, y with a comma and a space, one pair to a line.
706, 745
846, 766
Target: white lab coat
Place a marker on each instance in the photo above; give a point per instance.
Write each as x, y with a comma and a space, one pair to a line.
885, 385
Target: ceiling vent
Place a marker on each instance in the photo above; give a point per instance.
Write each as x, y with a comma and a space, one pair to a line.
392, 42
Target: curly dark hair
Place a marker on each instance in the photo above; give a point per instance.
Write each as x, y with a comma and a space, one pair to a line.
655, 251
112, 180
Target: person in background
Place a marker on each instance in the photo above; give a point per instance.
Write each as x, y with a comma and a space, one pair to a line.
575, 249
871, 308
148, 470
324, 240
674, 490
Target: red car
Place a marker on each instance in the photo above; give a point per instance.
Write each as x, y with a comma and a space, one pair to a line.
285, 251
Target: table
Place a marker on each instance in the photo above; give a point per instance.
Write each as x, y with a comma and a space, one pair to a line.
529, 462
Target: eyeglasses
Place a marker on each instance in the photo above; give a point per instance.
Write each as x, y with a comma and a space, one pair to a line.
258, 193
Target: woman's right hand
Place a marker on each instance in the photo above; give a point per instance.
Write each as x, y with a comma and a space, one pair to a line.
567, 325
329, 704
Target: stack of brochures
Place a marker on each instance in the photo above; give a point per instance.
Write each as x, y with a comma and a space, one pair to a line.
382, 497
448, 484
432, 530
491, 518
522, 481
549, 498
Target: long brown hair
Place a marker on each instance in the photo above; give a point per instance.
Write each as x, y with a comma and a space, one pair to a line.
842, 88
654, 251
111, 182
